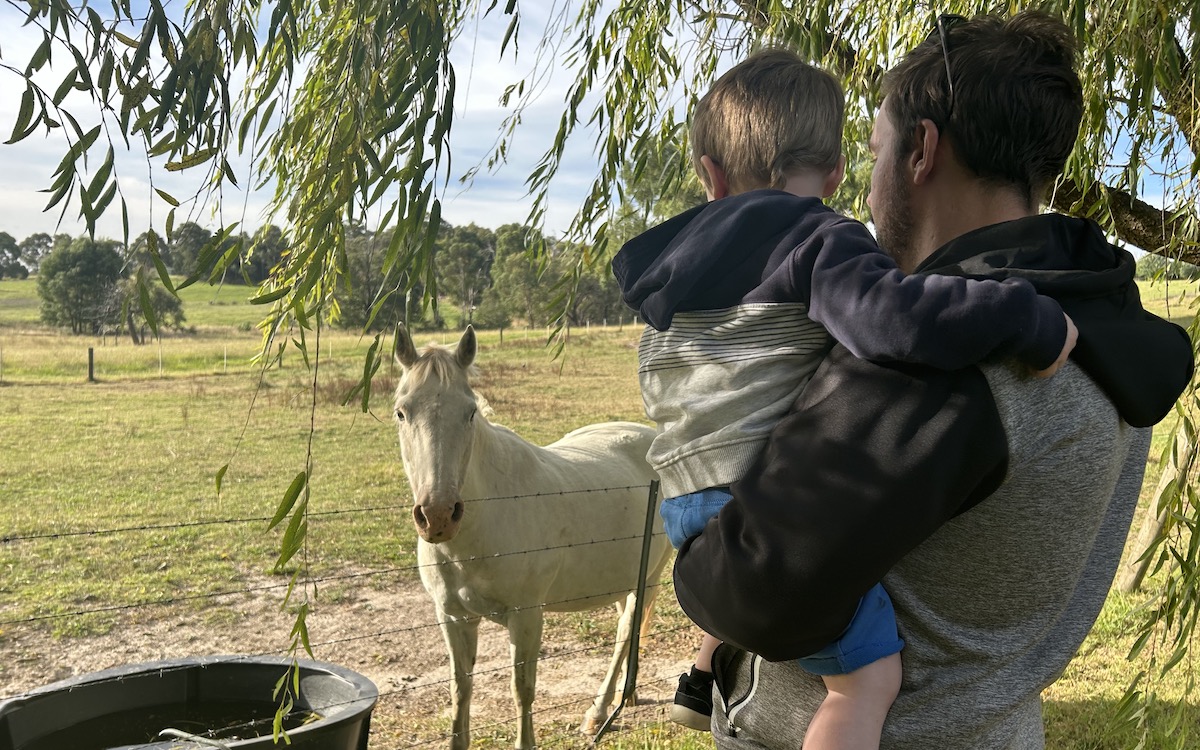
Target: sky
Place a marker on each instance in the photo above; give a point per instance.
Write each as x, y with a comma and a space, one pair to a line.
490, 200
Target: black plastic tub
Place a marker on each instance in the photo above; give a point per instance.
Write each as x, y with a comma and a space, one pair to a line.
222, 701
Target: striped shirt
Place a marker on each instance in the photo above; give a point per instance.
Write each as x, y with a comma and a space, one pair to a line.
717, 381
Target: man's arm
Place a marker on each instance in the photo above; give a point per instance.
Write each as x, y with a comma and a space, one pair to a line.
869, 463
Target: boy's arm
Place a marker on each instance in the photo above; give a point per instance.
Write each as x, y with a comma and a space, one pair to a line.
869, 463
879, 313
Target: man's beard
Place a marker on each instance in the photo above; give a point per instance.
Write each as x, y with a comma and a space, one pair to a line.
893, 221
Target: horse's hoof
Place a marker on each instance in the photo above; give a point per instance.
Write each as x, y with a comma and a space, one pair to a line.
591, 724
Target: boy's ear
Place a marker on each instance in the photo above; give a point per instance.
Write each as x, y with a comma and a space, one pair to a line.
716, 186
834, 178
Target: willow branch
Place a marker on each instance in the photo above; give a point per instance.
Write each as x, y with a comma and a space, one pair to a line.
1180, 101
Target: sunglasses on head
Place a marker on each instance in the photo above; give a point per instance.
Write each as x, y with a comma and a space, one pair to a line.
945, 22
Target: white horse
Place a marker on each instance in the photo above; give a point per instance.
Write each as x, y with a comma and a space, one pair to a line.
508, 529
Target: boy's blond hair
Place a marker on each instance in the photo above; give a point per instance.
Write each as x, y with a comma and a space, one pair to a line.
767, 118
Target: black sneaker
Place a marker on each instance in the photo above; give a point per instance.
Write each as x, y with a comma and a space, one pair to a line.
693, 700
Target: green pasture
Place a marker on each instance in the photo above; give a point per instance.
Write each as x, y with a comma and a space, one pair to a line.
141, 447
1174, 300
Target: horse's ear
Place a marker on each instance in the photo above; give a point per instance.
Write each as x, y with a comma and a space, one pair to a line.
403, 349
465, 354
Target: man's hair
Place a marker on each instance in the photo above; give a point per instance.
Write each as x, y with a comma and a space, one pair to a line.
1017, 100
767, 118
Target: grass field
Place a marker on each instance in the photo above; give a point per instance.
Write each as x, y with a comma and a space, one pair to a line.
142, 445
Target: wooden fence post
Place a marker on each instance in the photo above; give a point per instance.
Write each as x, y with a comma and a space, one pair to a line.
91, 365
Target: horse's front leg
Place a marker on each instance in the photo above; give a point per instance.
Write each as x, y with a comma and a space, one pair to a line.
462, 641
525, 640
598, 713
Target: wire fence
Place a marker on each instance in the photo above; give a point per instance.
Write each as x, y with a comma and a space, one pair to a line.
396, 699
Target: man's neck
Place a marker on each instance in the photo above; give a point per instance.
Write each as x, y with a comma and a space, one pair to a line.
962, 208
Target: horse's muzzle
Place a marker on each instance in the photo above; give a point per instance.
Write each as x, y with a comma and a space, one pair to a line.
437, 522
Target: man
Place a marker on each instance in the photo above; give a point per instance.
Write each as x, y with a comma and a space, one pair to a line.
993, 506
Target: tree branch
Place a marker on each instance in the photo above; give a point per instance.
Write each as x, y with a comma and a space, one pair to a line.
1133, 221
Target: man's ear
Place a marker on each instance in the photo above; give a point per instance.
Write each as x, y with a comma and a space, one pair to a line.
834, 179
922, 160
718, 186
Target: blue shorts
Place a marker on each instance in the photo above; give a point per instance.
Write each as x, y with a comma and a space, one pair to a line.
871, 634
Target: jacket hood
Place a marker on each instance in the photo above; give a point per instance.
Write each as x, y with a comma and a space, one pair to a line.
1140, 360
707, 257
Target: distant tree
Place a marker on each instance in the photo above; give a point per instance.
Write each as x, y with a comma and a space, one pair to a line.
597, 296
1152, 266
518, 286
141, 254
125, 305
543, 282
78, 285
263, 252
35, 247
364, 284
512, 239
464, 259
167, 308
61, 241
501, 303
186, 242
492, 313
10, 258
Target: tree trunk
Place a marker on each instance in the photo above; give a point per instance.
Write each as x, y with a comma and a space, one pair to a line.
131, 325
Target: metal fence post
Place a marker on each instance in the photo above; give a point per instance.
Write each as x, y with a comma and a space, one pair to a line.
635, 634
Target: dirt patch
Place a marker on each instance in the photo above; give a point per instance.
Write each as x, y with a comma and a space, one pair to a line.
387, 635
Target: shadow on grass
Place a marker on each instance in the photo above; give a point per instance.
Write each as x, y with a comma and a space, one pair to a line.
1091, 725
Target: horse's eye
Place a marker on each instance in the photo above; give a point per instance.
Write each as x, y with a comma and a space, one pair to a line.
472, 417
399, 415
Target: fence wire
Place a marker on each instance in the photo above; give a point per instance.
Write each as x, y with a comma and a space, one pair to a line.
607, 646
51, 535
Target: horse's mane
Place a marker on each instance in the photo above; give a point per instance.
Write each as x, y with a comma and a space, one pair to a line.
436, 361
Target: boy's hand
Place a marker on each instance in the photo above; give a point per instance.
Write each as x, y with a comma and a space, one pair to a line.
1068, 345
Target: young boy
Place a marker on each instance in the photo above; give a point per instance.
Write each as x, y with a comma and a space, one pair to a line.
741, 296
